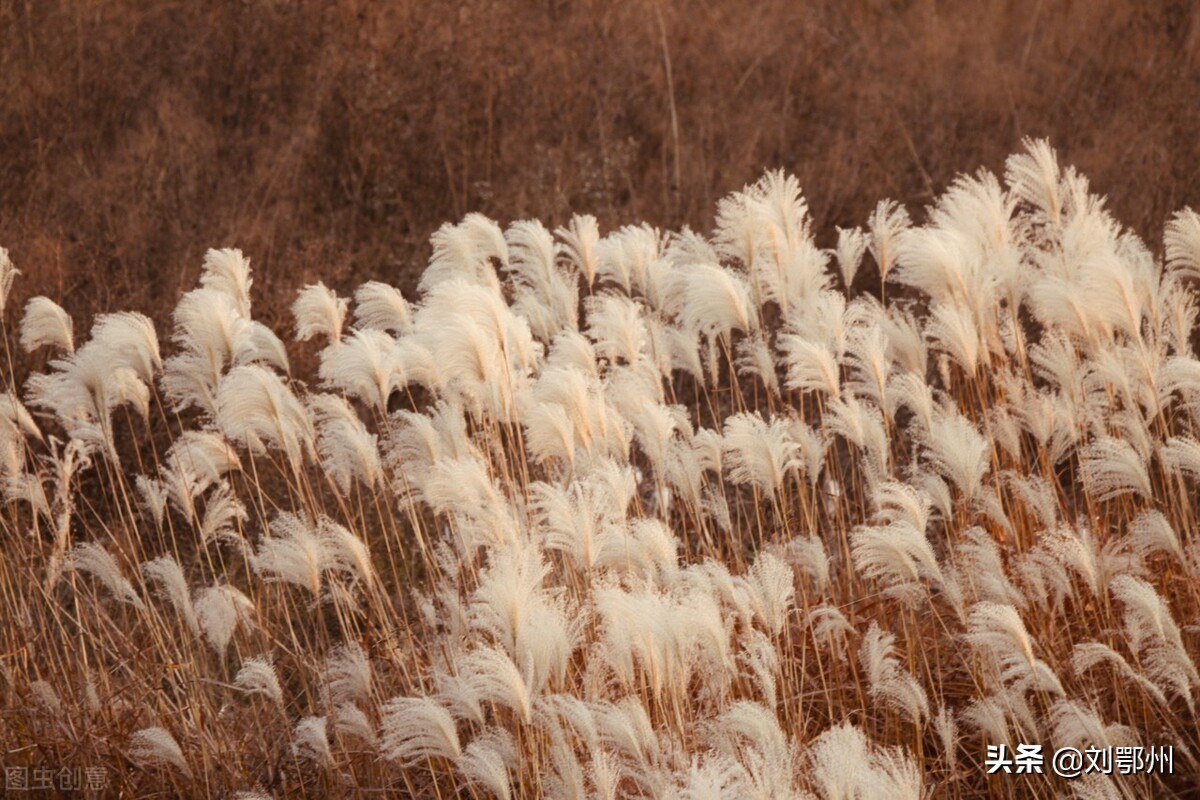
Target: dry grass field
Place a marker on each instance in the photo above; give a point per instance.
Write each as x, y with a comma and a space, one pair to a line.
599, 400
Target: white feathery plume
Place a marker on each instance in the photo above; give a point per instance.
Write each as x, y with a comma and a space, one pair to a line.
418, 728
711, 300
155, 746
511, 606
572, 349
204, 455
615, 325
894, 501
195, 461
906, 340
1078, 551
714, 777
910, 390
839, 762
760, 656
813, 447
350, 721
166, 572
488, 675
851, 246
751, 730
346, 552
347, 450
549, 316
258, 676
319, 312
347, 675
486, 759
579, 245
8, 273
868, 363
16, 426
28, 488
127, 340
1150, 531
92, 558
1181, 239
417, 441
111, 369
958, 452
810, 365
594, 419
1033, 178
772, 590
1179, 374
1178, 316
766, 228
576, 520
1112, 468
1088, 655
898, 555
299, 552
209, 324
626, 727
1075, 725
214, 333
947, 729
758, 452
549, 433
367, 364
256, 408
311, 740
886, 224
984, 569
380, 307
889, 683
483, 349
826, 319
754, 358
465, 252
862, 425
651, 637
1155, 637
15, 419
46, 323
531, 257
228, 271
996, 630
952, 329
632, 258
219, 608
1181, 456
545, 294
942, 263
808, 555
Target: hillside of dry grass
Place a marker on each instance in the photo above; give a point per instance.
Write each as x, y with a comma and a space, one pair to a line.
330, 139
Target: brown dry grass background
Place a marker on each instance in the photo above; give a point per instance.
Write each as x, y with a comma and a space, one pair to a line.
330, 139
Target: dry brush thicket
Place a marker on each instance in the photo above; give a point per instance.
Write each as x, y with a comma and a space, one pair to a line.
641, 514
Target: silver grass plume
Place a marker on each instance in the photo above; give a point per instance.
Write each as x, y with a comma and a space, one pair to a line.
155, 746
257, 676
46, 324
228, 271
380, 307
319, 312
